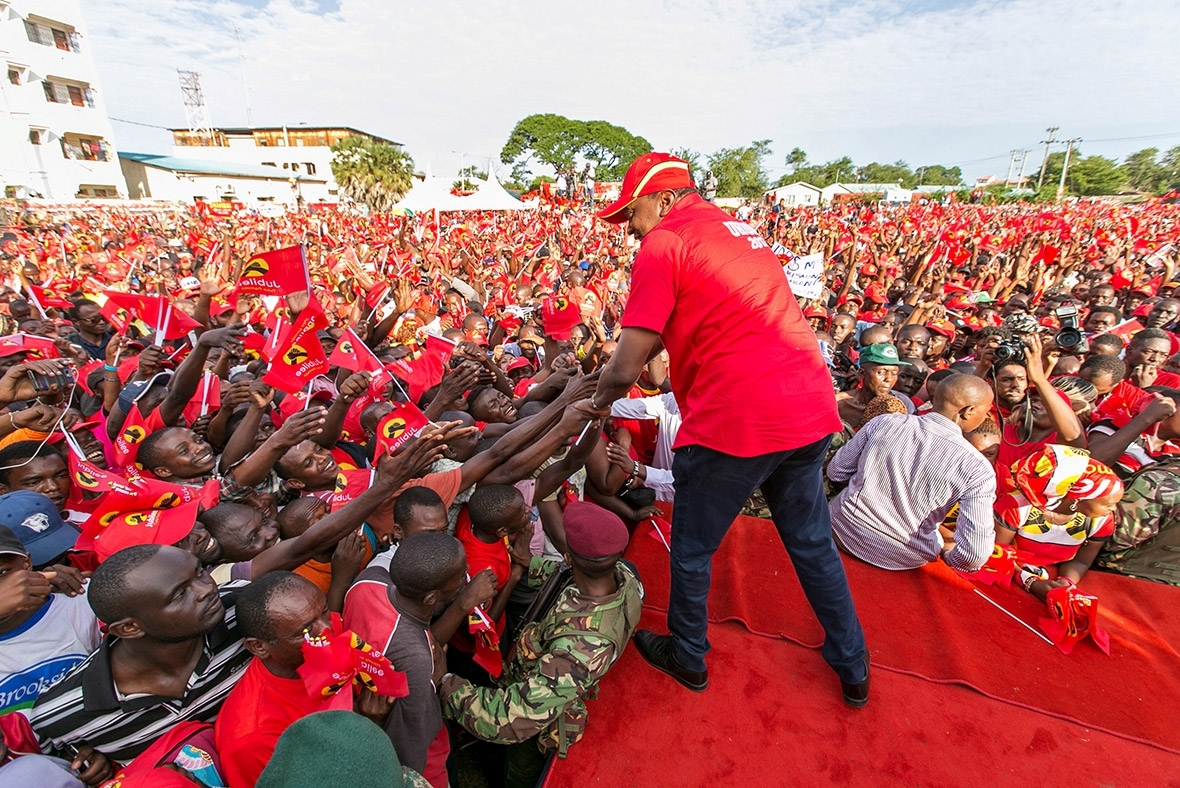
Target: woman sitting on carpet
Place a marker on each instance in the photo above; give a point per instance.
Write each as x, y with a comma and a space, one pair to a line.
1059, 515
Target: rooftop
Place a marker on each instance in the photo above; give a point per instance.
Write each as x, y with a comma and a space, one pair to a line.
245, 130
209, 167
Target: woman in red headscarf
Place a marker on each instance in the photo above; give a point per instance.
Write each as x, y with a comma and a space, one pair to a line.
1059, 515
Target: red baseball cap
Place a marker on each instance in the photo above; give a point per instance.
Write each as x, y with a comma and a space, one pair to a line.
876, 294
650, 173
815, 311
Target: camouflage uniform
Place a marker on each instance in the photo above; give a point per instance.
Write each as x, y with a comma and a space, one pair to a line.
1146, 540
557, 664
411, 779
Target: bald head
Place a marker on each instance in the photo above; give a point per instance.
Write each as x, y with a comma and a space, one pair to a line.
963, 399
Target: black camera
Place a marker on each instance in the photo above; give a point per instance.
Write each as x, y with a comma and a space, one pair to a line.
1009, 350
1069, 337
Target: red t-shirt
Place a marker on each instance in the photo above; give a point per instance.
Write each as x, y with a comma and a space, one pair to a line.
256, 712
745, 366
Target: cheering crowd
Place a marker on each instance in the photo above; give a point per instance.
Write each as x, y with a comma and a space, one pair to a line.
269, 479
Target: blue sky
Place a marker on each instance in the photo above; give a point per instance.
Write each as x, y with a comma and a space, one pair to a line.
930, 82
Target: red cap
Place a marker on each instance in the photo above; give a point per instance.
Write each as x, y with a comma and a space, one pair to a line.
944, 327
520, 363
650, 173
868, 269
876, 294
593, 532
815, 311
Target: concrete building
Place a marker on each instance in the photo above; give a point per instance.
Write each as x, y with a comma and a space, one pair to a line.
795, 194
55, 137
889, 192
151, 176
300, 150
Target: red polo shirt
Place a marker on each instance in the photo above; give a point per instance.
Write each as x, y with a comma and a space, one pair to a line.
745, 366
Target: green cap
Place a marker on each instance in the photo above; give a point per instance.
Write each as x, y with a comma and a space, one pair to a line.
333, 748
882, 353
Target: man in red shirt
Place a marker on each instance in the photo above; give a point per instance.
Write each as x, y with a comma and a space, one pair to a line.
757, 402
275, 613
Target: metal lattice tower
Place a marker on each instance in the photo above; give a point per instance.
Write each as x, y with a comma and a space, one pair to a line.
196, 114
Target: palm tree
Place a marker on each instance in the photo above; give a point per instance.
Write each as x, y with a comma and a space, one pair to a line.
371, 172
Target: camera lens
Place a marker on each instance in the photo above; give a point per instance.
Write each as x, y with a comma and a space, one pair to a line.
1068, 338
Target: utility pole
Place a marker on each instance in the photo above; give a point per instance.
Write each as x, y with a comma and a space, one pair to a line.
1023, 161
1011, 166
1065, 167
245, 83
1049, 141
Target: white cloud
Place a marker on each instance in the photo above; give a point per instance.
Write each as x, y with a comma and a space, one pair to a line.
924, 81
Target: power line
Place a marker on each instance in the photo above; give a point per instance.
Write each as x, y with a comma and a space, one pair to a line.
137, 123
1144, 137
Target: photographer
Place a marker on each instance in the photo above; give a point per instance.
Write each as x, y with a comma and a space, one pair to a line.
1043, 417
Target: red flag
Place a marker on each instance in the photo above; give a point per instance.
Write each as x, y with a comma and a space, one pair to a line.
116, 315
998, 568
280, 272
424, 369
157, 311
206, 400
353, 354
396, 429
487, 642
337, 658
1074, 615
349, 485
35, 346
135, 429
1125, 330
47, 297
299, 357
559, 316
661, 531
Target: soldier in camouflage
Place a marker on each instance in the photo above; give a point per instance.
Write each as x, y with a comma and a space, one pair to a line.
557, 661
1146, 540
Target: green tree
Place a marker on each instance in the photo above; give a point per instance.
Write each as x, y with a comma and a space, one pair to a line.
1087, 176
372, 173
898, 172
469, 178
1144, 172
739, 171
796, 159
558, 141
938, 175
1171, 165
822, 175
1094, 175
689, 155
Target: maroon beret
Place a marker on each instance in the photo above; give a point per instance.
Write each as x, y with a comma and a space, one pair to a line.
593, 532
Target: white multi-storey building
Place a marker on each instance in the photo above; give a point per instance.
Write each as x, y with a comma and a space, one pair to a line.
55, 137
300, 150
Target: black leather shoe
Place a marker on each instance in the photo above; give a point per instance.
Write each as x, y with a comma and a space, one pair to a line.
857, 695
657, 650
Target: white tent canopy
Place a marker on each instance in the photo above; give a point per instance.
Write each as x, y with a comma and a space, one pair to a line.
491, 196
429, 194
433, 193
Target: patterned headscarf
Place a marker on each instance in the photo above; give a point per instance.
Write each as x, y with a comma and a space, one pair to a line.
879, 406
1058, 472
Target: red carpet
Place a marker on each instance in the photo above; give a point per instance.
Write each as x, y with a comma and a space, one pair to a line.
772, 714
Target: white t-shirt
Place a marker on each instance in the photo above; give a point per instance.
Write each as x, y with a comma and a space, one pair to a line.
40, 652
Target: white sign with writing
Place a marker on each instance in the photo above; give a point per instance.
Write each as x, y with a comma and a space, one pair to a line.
806, 275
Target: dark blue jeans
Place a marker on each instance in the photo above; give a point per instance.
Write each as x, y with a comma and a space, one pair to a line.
711, 488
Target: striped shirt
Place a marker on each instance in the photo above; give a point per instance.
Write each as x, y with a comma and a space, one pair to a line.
86, 707
905, 473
